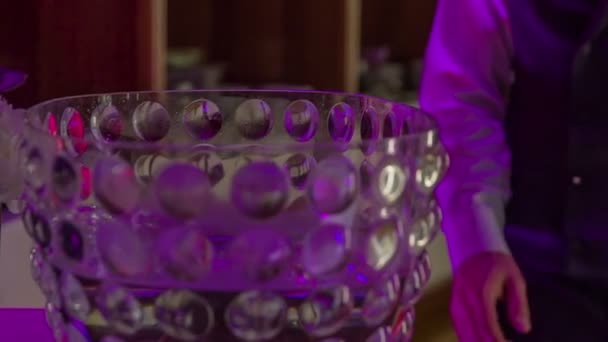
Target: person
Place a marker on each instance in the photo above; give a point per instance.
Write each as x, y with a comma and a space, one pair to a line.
518, 90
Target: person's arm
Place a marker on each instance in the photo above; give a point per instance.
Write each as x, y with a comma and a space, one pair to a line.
465, 82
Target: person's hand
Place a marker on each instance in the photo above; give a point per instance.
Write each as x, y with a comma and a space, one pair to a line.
478, 284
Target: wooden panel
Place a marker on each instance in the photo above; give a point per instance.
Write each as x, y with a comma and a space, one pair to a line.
206, 24
352, 49
313, 42
151, 44
320, 37
257, 52
415, 18
189, 23
378, 21
402, 25
97, 46
18, 34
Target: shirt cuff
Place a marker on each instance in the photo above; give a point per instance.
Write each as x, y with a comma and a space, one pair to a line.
474, 228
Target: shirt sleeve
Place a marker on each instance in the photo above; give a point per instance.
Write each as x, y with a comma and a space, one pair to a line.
465, 82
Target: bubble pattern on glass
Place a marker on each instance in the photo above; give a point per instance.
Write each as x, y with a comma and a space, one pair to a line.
107, 123
202, 119
332, 253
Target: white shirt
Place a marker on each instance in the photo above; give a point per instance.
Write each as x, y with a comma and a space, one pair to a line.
465, 81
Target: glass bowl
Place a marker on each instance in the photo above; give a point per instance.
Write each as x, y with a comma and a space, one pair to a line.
225, 215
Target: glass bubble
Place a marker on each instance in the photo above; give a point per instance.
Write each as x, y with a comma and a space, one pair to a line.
326, 249
210, 164
369, 130
41, 230
420, 235
369, 124
390, 181
122, 250
202, 119
326, 311
334, 184
147, 167
50, 123
74, 297
259, 189
35, 171
72, 243
380, 301
185, 253
49, 284
52, 294
120, 309
106, 123
431, 139
72, 128
390, 128
182, 190
434, 218
184, 315
382, 334
341, 123
299, 166
54, 319
260, 254
405, 128
382, 244
256, 315
253, 119
28, 218
36, 264
405, 324
366, 172
417, 280
115, 186
428, 172
149, 221
65, 181
301, 120
85, 182
151, 121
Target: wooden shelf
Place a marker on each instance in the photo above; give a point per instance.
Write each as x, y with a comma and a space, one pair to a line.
302, 42
76, 47
313, 42
401, 25
72, 47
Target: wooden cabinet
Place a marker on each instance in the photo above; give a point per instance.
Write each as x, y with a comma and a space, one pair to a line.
401, 25
315, 42
72, 47
75, 47
312, 42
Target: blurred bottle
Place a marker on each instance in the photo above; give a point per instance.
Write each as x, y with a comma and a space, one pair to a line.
379, 77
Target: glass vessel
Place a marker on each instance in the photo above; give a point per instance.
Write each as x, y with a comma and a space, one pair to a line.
225, 215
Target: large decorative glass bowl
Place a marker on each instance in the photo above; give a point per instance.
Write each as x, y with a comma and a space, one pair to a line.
225, 215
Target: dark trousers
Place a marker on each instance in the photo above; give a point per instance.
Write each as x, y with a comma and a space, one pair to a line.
563, 308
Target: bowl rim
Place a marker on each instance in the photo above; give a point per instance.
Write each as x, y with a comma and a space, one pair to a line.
428, 134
